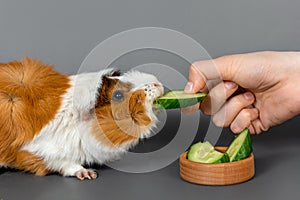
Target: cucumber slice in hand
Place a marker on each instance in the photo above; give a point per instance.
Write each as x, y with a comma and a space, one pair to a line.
178, 99
241, 147
205, 153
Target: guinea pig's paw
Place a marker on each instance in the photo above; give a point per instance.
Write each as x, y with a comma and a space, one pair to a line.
86, 174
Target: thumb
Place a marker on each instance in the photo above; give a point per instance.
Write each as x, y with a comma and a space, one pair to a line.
202, 71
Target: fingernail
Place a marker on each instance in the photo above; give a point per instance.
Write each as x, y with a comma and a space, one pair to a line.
230, 85
189, 87
248, 95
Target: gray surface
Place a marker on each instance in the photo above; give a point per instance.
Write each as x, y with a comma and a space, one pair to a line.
277, 177
63, 33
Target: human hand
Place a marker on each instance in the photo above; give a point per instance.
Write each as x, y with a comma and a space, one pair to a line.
269, 81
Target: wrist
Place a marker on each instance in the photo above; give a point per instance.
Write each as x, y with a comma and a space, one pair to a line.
296, 97
293, 78
297, 83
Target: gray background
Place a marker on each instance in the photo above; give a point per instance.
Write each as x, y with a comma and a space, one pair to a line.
63, 32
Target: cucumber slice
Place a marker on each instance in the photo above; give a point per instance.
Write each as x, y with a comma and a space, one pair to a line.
205, 153
178, 99
241, 147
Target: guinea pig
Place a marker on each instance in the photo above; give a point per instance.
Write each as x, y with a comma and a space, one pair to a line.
56, 123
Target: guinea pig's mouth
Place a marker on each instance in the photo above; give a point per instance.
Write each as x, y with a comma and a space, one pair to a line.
155, 105
153, 92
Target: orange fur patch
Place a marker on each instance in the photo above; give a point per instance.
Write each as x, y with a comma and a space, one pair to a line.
137, 108
31, 163
30, 96
119, 122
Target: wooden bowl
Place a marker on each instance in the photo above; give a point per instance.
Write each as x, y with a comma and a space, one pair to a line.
217, 174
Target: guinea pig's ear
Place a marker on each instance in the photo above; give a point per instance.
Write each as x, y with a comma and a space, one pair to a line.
116, 73
104, 92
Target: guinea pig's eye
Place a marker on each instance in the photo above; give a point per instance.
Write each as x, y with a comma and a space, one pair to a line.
117, 96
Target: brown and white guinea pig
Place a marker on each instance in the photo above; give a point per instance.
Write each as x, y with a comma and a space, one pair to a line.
51, 122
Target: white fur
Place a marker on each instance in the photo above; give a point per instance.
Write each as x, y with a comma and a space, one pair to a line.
139, 79
66, 142
154, 89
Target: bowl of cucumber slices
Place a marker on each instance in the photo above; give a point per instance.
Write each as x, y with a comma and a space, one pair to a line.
209, 165
204, 163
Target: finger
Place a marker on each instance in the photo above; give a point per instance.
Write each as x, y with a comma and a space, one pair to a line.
190, 109
210, 84
217, 97
202, 71
197, 80
251, 129
225, 116
243, 119
258, 126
